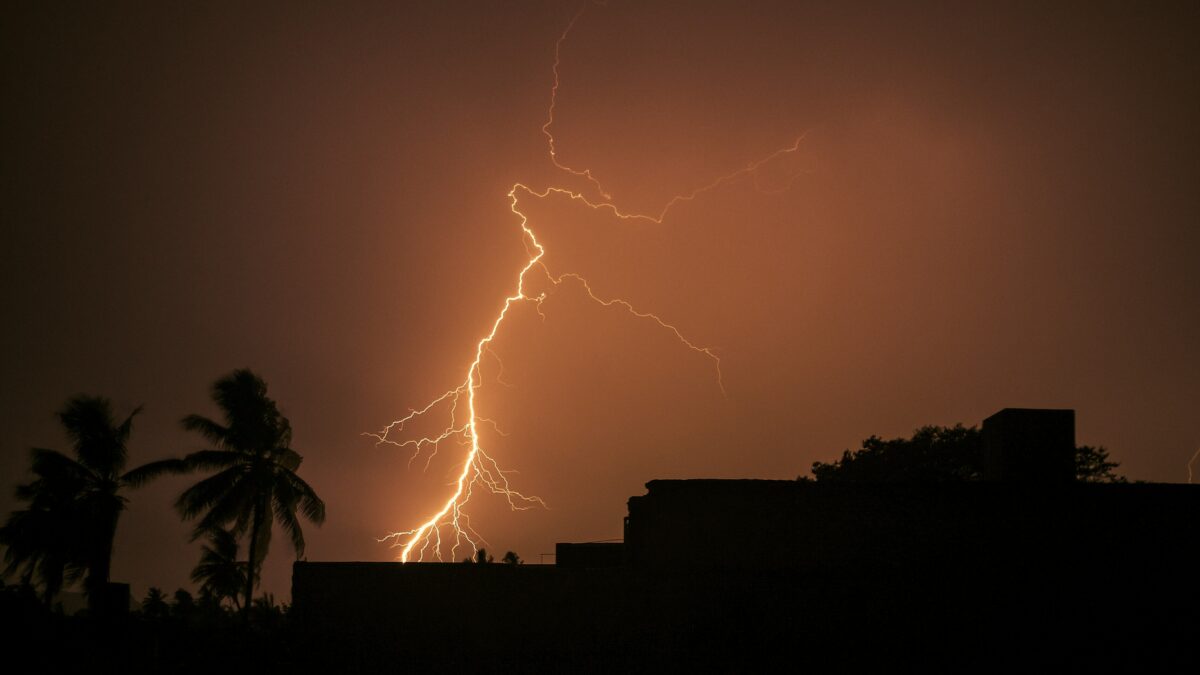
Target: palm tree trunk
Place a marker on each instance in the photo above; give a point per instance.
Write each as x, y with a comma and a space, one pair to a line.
96, 585
100, 567
250, 566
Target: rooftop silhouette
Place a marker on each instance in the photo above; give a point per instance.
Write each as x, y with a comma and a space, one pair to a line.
711, 570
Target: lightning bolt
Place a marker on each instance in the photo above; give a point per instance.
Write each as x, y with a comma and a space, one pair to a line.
1195, 456
479, 470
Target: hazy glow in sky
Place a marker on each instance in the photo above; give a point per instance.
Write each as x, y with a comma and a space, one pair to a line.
997, 208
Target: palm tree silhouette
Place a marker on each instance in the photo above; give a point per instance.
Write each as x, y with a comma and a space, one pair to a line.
40, 540
256, 483
219, 573
155, 603
74, 503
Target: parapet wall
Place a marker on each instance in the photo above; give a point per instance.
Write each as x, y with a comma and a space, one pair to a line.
779, 525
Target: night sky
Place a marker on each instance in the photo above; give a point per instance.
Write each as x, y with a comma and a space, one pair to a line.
990, 208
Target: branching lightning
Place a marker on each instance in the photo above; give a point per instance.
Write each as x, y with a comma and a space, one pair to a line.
449, 525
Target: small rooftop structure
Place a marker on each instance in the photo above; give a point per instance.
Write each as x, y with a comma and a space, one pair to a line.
1030, 445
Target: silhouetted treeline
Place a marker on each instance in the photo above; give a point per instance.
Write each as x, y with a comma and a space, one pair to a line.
937, 454
175, 634
483, 557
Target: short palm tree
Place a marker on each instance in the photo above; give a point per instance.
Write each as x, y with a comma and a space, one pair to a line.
40, 541
155, 603
74, 502
219, 573
256, 483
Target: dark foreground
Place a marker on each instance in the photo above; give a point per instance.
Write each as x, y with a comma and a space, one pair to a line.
737, 575
882, 618
196, 640
834, 620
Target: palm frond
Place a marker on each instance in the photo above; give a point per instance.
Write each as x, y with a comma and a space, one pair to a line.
88, 421
242, 397
219, 571
17, 537
224, 545
207, 492
213, 459
52, 465
228, 507
25, 492
84, 417
39, 543
146, 472
312, 506
123, 432
241, 524
265, 521
286, 499
254, 422
283, 434
214, 432
288, 458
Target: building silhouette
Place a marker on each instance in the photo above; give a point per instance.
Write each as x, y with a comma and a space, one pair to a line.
1028, 567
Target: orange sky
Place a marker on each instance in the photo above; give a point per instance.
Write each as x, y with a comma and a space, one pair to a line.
998, 208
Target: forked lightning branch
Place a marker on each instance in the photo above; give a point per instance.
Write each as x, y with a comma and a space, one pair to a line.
448, 527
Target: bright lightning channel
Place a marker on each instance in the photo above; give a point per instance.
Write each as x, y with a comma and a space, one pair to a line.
479, 469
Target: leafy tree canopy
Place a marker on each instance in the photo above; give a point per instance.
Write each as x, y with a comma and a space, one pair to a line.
940, 454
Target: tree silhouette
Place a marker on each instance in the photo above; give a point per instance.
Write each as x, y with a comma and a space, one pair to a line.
481, 557
39, 541
511, 558
1093, 466
268, 613
256, 483
219, 573
155, 603
184, 604
74, 503
938, 454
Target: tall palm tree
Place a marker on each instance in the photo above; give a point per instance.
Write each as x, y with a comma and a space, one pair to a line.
256, 483
219, 573
74, 502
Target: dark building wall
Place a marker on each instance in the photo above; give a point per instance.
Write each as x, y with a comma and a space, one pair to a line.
397, 592
589, 554
430, 617
978, 575
715, 572
777, 525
